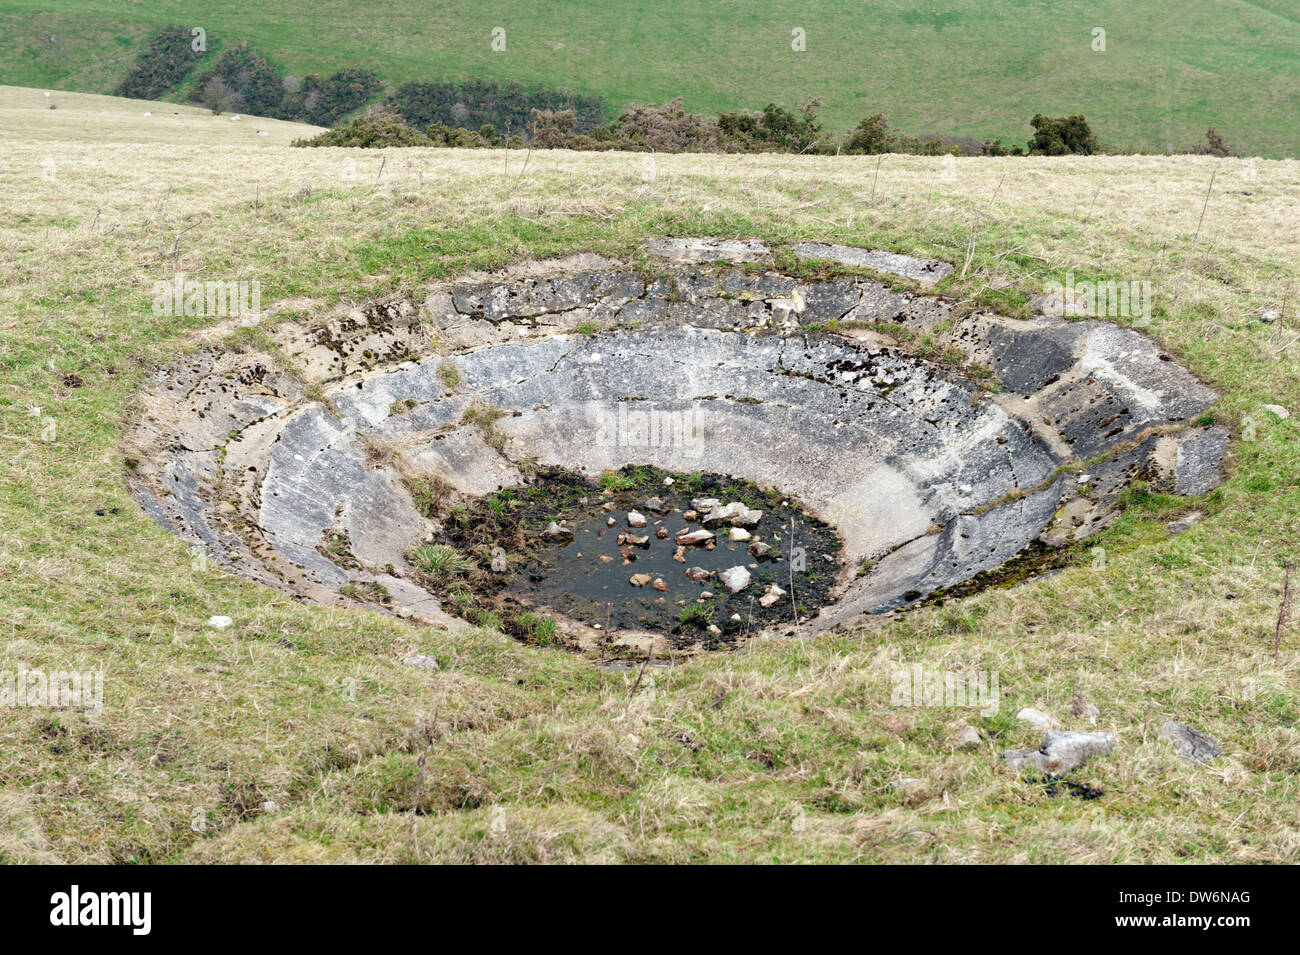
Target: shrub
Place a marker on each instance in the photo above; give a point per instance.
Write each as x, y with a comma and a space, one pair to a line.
324, 102
219, 97
378, 129
476, 103
249, 74
871, 137
551, 129
166, 60
666, 129
1061, 136
1214, 145
775, 129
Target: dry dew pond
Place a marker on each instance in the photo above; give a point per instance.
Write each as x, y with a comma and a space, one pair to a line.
677, 455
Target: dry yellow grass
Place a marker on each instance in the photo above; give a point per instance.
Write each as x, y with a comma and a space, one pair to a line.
781, 752
59, 116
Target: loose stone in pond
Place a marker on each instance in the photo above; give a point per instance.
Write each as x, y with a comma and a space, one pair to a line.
735, 579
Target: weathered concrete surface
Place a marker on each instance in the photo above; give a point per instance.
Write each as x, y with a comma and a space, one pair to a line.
710, 250
927, 475
924, 271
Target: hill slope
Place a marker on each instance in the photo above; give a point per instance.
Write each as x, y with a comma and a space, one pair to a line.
979, 67
87, 117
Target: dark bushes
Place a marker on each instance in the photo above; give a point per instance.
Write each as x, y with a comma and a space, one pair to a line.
377, 129
1061, 136
166, 60
505, 106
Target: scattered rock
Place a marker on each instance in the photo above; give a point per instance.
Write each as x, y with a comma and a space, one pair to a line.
735, 579
635, 519
657, 506
1278, 410
662, 533
610, 522
735, 512
639, 580
270, 806
679, 554
774, 593
1184, 523
706, 595
968, 737
694, 537
760, 550
704, 504
421, 662
1196, 468
1035, 719
555, 532
1192, 745
905, 784
738, 534
637, 540
714, 629
220, 622
658, 584
1061, 751
1267, 315
698, 573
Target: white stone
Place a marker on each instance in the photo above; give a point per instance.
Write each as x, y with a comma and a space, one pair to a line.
1036, 719
735, 578
220, 622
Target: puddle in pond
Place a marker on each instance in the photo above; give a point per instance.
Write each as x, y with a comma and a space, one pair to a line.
624, 577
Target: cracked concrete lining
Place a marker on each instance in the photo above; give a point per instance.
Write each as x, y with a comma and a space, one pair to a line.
929, 477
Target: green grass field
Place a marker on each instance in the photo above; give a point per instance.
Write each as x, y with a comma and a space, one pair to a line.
978, 68
298, 735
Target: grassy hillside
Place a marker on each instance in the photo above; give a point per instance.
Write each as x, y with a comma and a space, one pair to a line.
978, 67
87, 117
297, 734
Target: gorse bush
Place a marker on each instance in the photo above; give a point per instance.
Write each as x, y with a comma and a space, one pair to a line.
1061, 136
507, 107
326, 101
258, 88
166, 60
377, 129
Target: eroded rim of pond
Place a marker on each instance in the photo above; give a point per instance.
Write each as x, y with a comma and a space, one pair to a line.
939, 442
